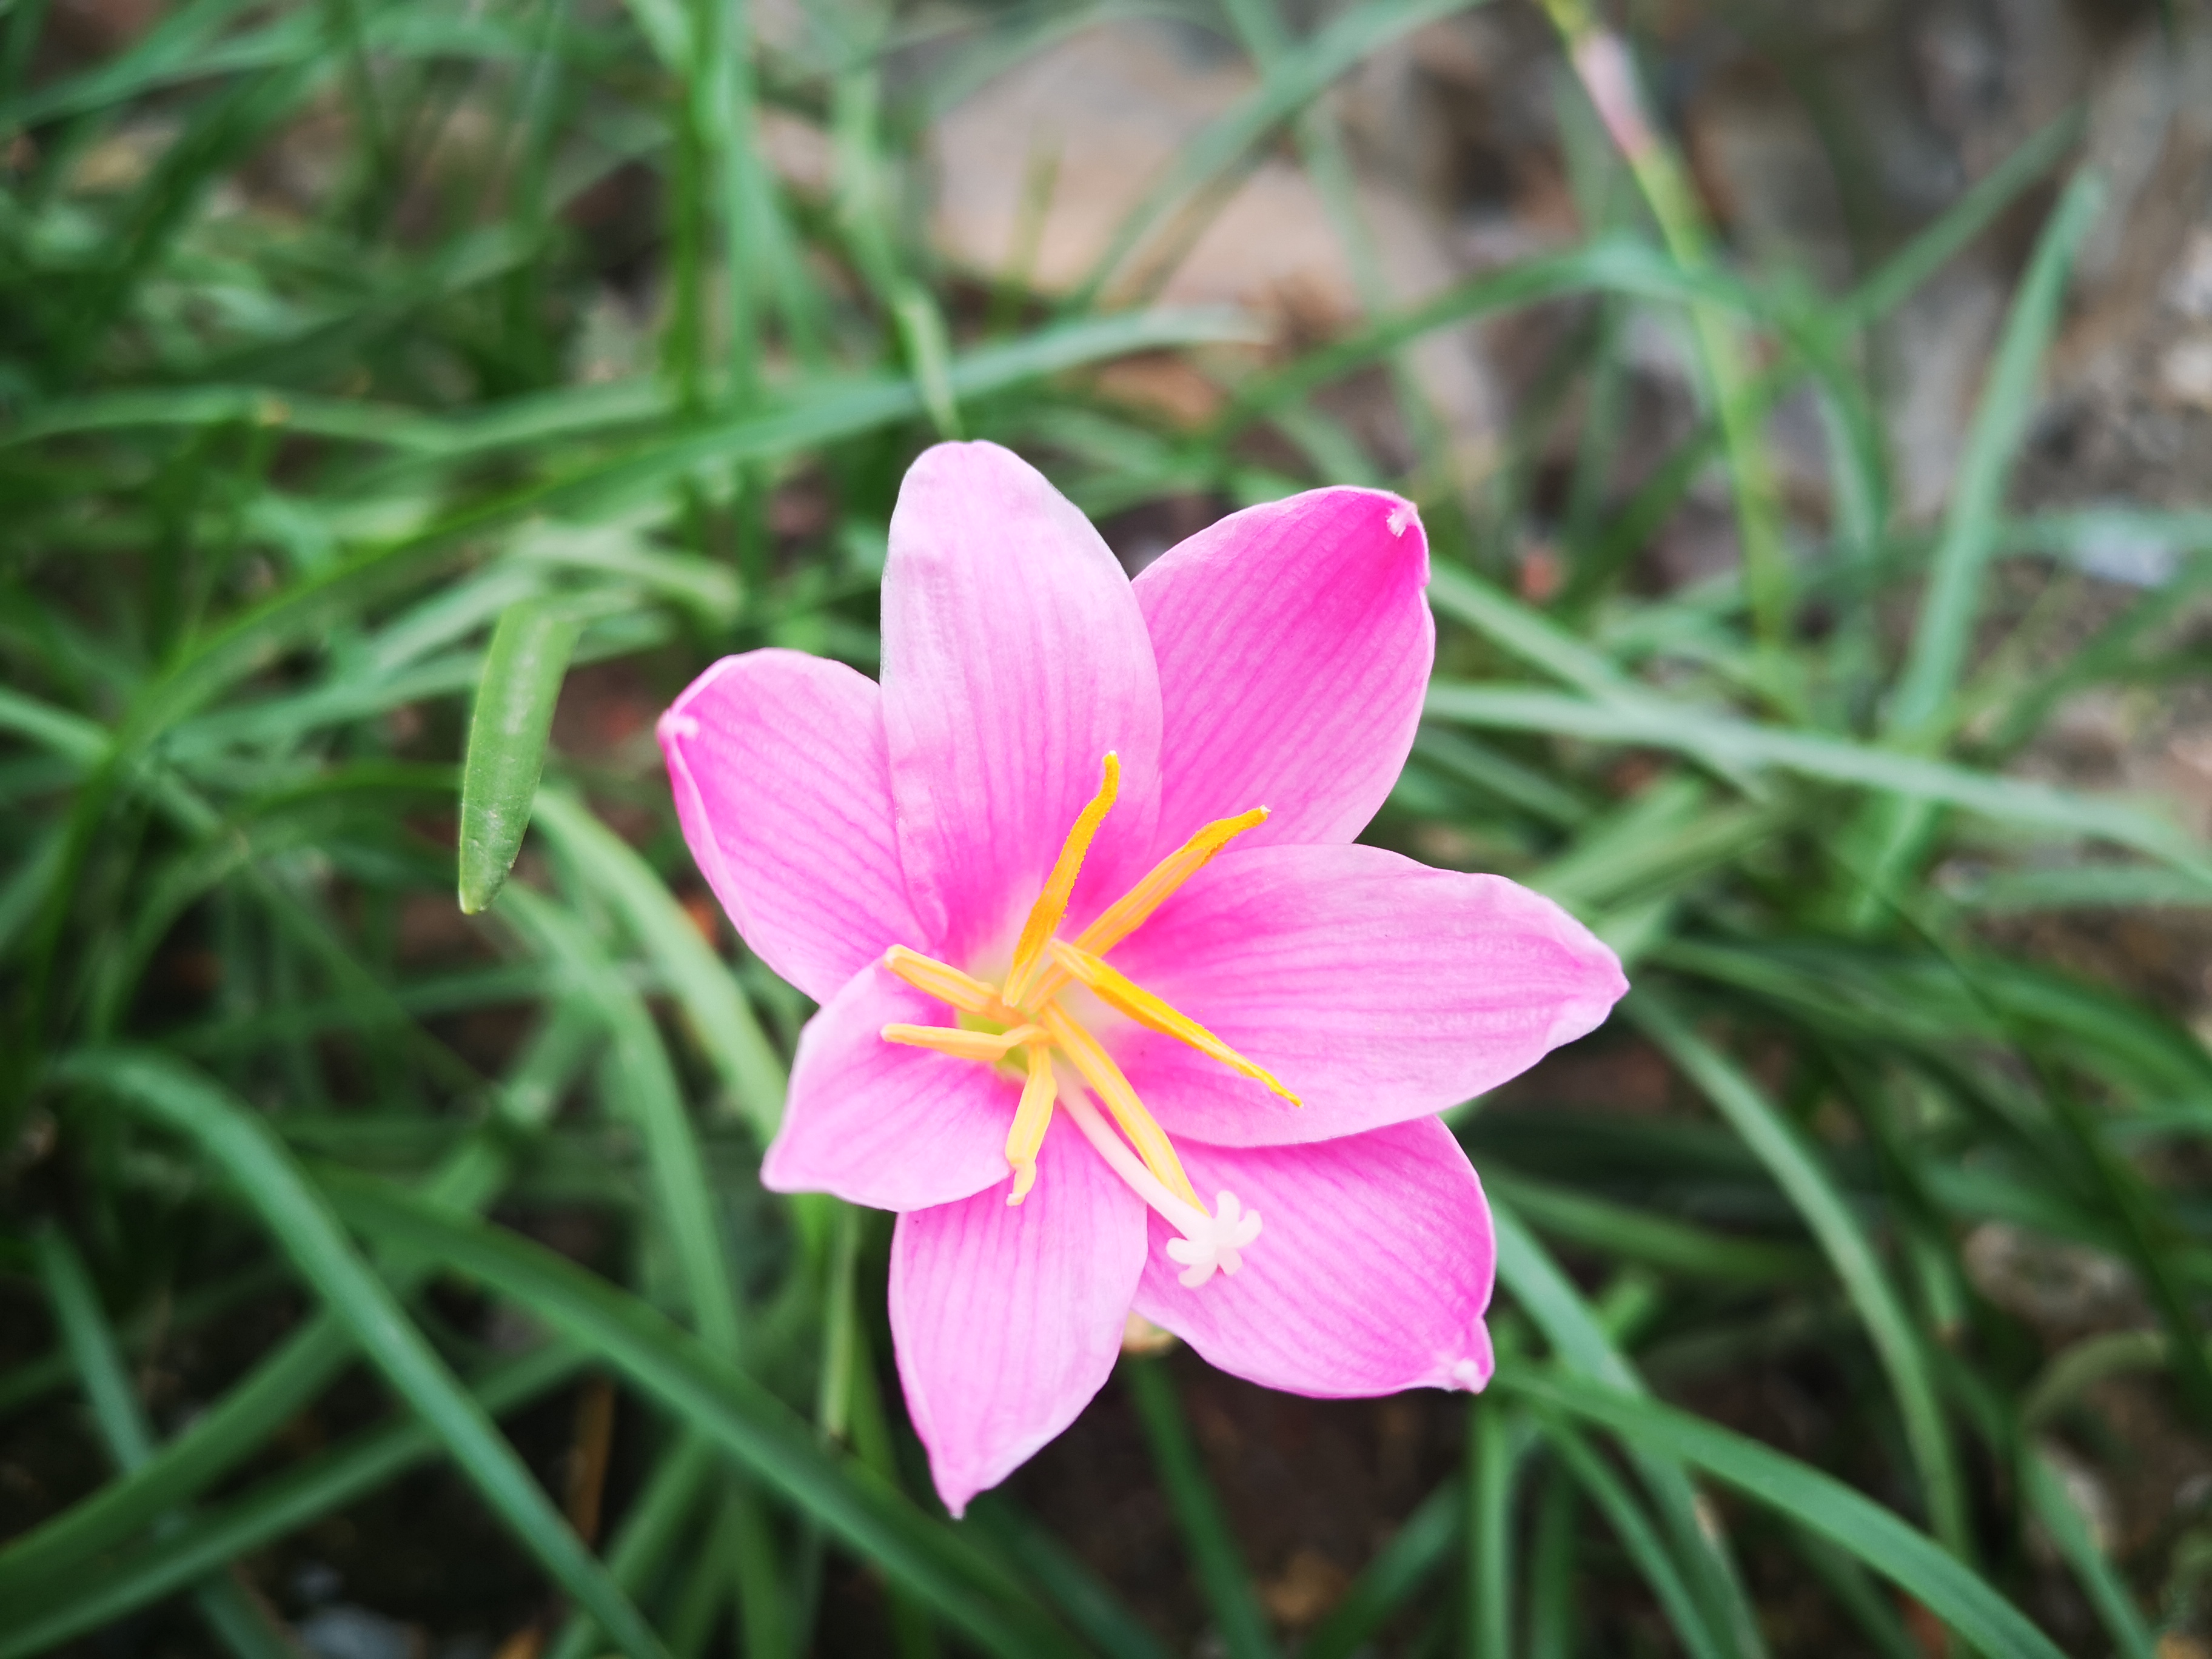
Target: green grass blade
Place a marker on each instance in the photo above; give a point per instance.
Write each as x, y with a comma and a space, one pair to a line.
1629, 1523
514, 715
264, 1172
1722, 741
61, 1608
1623, 1232
722, 1403
2076, 1368
637, 1073
1949, 609
1549, 1297
1724, 354
1526, 633
720, 1017
389, 426
1295, 80
1496, 1441
1098, 1613
1614, 265
2053, 1505
648, 1535
1796, 1168
1902, 274
1909, 1559
1487, 769
28, 1382
91, 1349
239, 1622
1215, 1560
845, 411
1553, 1590
216, 1442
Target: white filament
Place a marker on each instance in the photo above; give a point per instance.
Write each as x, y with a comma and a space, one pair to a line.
1208, 1242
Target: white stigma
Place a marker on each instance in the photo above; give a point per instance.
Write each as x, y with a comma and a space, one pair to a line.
1217, 1241
1208, 1242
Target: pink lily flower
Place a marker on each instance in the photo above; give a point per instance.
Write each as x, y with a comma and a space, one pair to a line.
1075, 889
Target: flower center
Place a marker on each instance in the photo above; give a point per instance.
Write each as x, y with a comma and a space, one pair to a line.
1021, 1022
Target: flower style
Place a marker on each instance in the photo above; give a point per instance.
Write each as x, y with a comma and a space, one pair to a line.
1089, 845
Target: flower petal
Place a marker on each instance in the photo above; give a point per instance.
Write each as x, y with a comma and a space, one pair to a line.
1294, 646
1376, 988
782, 783
1014, 659
883, 1124
1370, 1273
1007, 1318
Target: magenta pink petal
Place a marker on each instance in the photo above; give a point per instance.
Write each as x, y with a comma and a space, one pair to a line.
1294, 646
1007, 1318
782, 784
1370, 1273
1376, 988
881, 1123
1014, 659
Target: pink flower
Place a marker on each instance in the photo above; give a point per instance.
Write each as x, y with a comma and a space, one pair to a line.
1088, 845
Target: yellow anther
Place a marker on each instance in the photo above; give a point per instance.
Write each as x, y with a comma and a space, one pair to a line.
1032, 1118
1118, 991
1051, 903
1027, 1017
963, 1044
1098, 1070
1126, 913
947, 984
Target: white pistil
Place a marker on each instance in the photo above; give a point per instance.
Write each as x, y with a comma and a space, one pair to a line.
1208, 1242
1229, 1231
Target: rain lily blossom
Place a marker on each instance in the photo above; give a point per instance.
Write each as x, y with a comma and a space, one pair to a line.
1114, 1014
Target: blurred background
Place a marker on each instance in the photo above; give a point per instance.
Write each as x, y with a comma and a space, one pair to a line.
1811, 409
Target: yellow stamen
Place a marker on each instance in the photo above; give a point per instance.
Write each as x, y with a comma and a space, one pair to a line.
1022, 1014
1126, 913
962, 1044
1051, 903
1119, 991
947, 984
1032, 1118
1099, 1071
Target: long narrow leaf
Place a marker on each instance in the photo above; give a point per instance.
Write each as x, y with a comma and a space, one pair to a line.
1737, 744
58, 1610
1797, 1169
514, 715
1909, 1559
243, 1148
728, 1407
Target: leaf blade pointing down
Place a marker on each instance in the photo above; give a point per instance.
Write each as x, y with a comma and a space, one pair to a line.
522, 675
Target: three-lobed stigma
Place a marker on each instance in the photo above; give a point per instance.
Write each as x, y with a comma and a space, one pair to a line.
1021, 1023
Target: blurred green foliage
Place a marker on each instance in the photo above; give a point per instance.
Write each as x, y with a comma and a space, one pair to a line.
291, 471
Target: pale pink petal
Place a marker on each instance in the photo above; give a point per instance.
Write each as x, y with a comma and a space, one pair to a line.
782, 784
1294, 646
881, 1123
1370, 1273
1014, 659
1376, 988
1007, 1318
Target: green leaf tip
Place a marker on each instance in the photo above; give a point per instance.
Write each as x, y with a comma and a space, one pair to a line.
513, 716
